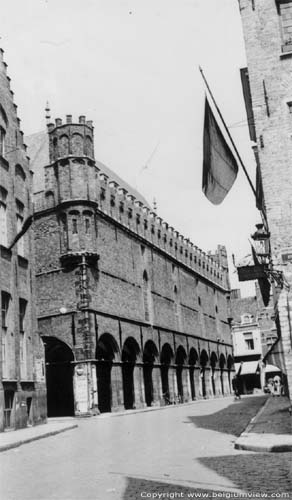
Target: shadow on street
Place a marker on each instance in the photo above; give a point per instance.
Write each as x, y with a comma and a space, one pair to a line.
233, 419
243, 471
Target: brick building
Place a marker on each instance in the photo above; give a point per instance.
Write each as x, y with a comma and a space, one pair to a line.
267, 28
22, 369
130, 312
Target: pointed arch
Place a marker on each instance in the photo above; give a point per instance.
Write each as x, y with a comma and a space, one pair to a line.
130, 353
106, 350
59, 377
193, 359
166, 357
150, 354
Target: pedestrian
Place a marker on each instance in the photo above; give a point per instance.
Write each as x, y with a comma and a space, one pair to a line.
277, 386
271, 386
235, 387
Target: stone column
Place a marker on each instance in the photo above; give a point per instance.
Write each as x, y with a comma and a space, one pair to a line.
186, 384
81, 385
157, 386
197, 381
139, 388
209, 392
226, 382
117, 387
94, 391
172, 383
217, 382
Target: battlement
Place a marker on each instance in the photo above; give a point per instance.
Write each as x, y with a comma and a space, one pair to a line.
70, 139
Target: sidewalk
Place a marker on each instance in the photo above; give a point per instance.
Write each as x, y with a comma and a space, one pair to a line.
13, 439
270, 430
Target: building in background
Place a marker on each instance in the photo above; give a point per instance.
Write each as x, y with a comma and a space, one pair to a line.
22, 369
253, 333
267, 26
131, 313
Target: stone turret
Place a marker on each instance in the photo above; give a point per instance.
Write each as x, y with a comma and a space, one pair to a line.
70, 139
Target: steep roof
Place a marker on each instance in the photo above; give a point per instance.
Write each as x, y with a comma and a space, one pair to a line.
38, 152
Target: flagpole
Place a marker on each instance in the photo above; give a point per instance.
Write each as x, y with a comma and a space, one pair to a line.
228, 133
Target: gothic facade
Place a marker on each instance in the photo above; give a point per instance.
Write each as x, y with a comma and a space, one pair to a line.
130, 312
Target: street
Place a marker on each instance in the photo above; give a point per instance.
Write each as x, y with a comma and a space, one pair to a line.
176, 450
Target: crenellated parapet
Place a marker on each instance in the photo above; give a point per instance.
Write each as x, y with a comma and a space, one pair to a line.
73, 176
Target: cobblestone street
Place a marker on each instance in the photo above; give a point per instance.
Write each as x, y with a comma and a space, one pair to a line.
178, 450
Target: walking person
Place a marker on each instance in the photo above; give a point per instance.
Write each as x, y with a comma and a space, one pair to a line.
236, 387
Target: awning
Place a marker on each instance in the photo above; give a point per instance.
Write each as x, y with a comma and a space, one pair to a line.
272, 368
247, 367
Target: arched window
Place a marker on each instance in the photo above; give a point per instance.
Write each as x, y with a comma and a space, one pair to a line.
2, 141
77, 144
74, 229
63, 145
3, 216
146, 296
64, 230
88, 146
87, 217
50, 199
20, 172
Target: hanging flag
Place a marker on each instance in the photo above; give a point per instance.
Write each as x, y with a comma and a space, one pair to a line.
219, 165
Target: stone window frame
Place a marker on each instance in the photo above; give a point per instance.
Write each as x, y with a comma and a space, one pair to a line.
22, 313
19, 223
5, 302
2, 141
4, 226
286, 46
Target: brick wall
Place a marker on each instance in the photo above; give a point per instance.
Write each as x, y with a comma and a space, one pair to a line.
21, 350
269, 57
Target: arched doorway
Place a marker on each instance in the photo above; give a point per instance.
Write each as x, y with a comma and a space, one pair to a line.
106, 349
222, 363
130, 352
165, 360
213, 362
180, 360
203, 362
59, 377
150, 353
193, 358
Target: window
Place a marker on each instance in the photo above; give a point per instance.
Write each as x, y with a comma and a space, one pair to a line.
5, 298
146, 297
5, 356
285, 13
2, 141
249, 344
87, 226
3, 217
74, 226
20, 243
64, 233
22, 309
